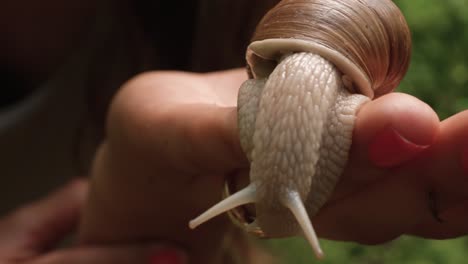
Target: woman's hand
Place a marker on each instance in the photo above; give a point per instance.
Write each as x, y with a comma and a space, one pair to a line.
30, 234
172, 140
407, 174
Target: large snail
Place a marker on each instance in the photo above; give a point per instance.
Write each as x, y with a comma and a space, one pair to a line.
312, 64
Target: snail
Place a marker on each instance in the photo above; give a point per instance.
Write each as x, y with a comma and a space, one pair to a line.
312, 64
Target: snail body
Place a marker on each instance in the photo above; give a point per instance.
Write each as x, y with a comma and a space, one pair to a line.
312, 64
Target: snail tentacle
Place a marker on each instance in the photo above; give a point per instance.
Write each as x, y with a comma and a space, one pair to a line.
244, 196
294, 203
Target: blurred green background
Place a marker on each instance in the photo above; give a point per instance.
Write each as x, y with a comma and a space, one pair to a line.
438, 75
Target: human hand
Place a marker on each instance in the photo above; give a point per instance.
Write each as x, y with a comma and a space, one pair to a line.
172, 141
30, 235
414, 184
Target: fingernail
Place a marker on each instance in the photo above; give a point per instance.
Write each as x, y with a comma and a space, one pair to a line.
465, 161
389, 148
168, 256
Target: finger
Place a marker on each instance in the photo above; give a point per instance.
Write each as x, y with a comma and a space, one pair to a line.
450, 224
368, 204
38, 226
405, 206
193, 130
376, 214
411, 119
453, 223
168, 148
115, 255
448, 176
213, 138
226, 84
388, 132
201, 138
449, 180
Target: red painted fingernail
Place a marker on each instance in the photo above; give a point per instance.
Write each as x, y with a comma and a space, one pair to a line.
389, 148
168, 256
465, 160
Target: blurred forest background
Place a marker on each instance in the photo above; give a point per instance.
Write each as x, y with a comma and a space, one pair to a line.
438, 75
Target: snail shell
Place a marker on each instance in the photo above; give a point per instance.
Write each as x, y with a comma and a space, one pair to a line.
312, 64
368, 40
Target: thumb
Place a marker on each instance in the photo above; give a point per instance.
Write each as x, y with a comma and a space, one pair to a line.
143, 254
393, 129
38, 226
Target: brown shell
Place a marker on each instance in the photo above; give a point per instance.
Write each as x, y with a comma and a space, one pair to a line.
372, 34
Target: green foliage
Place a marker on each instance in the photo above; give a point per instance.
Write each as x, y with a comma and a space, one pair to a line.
438, 75
404, 250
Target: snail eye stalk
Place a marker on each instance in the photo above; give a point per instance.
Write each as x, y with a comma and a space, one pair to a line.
294, 203
244, 196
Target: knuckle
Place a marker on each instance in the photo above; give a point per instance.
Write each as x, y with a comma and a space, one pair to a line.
134, 110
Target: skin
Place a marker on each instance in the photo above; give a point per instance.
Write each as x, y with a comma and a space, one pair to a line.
176, 133
28, 234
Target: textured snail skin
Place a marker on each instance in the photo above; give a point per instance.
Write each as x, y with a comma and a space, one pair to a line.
310, 72
302, 131
296, 128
